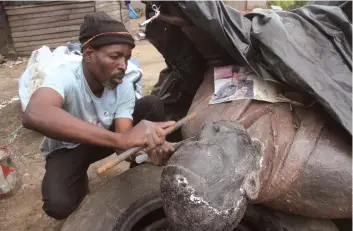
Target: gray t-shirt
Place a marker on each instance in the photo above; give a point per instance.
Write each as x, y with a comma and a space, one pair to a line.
78, 100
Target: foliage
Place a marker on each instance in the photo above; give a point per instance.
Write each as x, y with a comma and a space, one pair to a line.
287, 5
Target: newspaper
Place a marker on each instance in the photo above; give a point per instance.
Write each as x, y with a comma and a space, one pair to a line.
236, 82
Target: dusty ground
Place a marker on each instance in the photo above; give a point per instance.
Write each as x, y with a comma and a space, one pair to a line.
23, 211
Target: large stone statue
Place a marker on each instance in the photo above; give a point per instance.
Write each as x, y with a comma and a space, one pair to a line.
291, 159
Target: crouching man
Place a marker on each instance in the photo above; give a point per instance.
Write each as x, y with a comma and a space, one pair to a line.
86, 111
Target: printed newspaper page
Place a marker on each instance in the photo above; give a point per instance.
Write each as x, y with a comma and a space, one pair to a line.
236, 82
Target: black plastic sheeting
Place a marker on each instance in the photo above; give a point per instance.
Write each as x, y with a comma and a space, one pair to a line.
179, 81
308, 48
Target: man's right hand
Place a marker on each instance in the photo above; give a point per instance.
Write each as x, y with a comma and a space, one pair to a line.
147, 134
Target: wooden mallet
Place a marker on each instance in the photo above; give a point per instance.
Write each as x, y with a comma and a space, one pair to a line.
123, 156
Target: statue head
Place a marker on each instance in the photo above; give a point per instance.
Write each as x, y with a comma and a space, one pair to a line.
202, 184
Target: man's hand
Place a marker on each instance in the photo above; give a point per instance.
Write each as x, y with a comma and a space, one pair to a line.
160, 155
147, 134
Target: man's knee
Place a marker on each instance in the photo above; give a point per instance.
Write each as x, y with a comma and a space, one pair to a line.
60, 207
149, 102
60, 200
149, 108
151, 99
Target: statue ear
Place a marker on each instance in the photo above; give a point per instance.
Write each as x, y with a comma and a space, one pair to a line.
251, 184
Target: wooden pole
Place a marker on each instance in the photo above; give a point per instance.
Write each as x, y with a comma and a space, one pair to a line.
123, 156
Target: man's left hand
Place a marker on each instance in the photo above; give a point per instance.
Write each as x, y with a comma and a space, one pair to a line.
160, 155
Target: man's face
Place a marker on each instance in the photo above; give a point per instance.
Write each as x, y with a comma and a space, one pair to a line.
239, 77
108, 63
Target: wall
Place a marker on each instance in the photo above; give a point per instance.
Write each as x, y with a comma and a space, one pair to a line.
256, 4
54, 23
5, 32
137, 5
51, 24
115, 9
238, 5
246, 5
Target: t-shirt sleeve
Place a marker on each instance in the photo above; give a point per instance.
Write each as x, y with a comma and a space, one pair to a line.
127, 104
60, 83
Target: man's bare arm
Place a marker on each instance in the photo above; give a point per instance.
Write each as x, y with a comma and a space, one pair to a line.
44, 114
123, 125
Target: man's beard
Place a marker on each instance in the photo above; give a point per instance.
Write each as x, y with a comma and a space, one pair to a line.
113, 82
110, 84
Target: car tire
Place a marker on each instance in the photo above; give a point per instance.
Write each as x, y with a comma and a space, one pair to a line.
131, 201
103, 209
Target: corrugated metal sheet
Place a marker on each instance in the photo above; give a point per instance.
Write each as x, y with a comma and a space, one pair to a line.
54, 23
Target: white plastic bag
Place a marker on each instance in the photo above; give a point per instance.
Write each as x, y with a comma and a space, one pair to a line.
41, 62
134, 74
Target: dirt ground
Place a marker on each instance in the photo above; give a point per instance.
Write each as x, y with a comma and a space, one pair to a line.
23, 211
